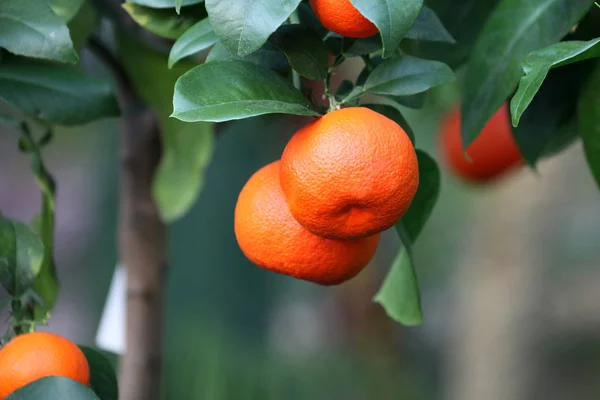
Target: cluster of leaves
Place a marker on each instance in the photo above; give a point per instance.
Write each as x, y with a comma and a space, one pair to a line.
255, 51
41, 87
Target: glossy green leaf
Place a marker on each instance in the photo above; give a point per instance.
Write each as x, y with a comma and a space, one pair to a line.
268, 56
399, 294
21, 254
187, 147
537, 65
429, 27
54, 388
165, 22
515, 28
393, 18
164, 3
588, 118
407, 75
395, 115
196, 39
427, 195
226, 90
552, 107
305, 51
244, 27
416, 101
65, 9
103, 380
56, 93
30, 28
464, 20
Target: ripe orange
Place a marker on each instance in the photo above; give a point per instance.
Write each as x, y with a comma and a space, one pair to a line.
341, 17
493, 153
33, 356
272, 239
349, 174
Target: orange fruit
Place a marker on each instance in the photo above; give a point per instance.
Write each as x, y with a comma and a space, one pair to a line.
493, 153
272, 239
341, 17
349, 174
33, 356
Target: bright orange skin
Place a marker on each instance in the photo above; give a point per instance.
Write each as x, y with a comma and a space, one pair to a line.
492, 154
33, 356
272, 239
349, 174
341, 17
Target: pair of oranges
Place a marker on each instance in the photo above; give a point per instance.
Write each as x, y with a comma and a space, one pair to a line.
38, 355
317, 213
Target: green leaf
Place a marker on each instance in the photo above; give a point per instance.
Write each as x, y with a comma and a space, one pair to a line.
226, 90
515, 28
196, 39
364, 46
407, 75
268, 56
82, 25
393, 18
103, 380
21, 255
464, 20
395, 115
164, 3
552, 107
165, 22
244, 27
305, 51
429, 27
187, 148
422, 205
537, 65
180, 178
55, 93
65, 9
416, 101
30, 28
54, 388
588, 118
399, 294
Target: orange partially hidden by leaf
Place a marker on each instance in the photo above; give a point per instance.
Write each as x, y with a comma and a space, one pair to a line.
33, 356
341, 17
272, 239
349, 174
492, 154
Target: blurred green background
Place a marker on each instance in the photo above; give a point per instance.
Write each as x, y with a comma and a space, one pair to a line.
509, 275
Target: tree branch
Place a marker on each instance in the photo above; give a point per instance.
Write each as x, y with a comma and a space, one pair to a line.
142, 239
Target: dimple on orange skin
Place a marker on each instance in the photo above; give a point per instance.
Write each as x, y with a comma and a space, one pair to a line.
350, 174
272, 239
492, 154
341, 17
33, 356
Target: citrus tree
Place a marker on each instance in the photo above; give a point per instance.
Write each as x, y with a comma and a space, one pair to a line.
173, 70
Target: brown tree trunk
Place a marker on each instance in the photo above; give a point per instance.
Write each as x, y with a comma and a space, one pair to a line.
142, 242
